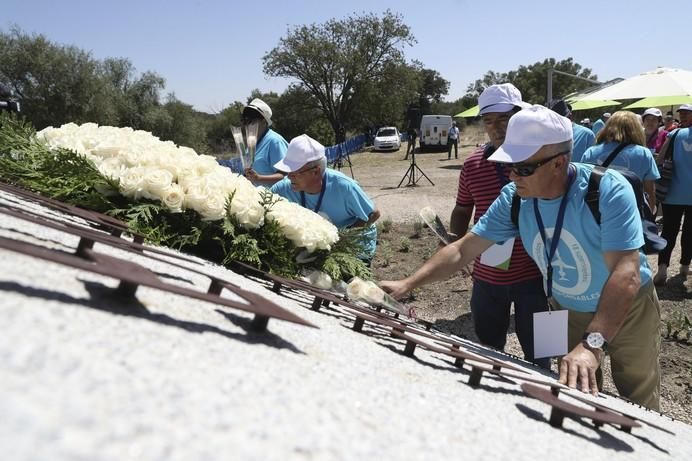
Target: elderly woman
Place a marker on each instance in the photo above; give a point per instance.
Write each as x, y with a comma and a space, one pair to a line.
624, 131
654, 133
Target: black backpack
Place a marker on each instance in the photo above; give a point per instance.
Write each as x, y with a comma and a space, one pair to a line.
653, 243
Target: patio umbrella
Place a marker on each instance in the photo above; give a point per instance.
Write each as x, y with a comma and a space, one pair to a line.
660, 101
471, 112
587, 104
660, 82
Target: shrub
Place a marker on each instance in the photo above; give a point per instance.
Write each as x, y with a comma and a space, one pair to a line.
385, 226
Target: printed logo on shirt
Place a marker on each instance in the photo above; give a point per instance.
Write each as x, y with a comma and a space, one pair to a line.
571, 266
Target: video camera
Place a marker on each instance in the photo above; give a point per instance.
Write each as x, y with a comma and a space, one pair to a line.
8, 101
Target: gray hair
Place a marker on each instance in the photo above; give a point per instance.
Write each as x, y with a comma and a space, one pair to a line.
320, 162
565, 146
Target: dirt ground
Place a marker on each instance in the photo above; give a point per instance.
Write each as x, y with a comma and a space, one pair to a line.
407, 245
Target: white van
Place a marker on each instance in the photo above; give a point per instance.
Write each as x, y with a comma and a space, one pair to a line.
434, 130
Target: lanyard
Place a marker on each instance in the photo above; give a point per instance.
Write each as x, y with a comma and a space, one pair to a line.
550, 254
319, 199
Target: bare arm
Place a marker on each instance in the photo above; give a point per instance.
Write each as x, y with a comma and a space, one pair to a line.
441, 265
616, 299
264, 179
459, 221
374, 216
649, 186
662, 152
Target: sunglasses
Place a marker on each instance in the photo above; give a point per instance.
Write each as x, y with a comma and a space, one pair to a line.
527, 169
298, 173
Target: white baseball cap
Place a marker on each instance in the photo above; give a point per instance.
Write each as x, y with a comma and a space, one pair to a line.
500, 98
529, 130
685, 107
262, 107
653, 111
301, 150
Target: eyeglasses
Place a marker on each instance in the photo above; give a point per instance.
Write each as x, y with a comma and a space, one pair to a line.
298, 173
527, 169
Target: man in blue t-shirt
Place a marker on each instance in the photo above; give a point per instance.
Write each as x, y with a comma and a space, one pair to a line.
270, 148
596, 272
327, 192
582, 137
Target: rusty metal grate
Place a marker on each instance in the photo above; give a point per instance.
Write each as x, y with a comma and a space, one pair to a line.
88, 235
99, 220
132, 275
599, 415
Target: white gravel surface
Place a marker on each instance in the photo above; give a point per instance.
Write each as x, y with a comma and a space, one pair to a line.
80, 381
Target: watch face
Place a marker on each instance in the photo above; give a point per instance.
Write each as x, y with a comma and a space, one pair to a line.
595, 340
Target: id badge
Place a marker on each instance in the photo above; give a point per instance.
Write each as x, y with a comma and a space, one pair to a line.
550, 333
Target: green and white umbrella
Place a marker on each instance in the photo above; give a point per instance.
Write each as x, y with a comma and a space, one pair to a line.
591, 104
660, 101
471, 112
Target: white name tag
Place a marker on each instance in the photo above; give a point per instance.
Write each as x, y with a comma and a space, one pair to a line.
498, 255
550, 334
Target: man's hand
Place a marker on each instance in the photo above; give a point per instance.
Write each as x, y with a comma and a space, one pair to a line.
581, 364
397, 288
251, 174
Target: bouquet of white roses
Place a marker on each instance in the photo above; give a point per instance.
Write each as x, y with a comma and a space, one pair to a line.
174, 197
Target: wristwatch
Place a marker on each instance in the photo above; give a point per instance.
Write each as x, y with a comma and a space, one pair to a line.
594, 340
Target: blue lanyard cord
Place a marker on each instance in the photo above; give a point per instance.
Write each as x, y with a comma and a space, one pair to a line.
550, 254
319, 199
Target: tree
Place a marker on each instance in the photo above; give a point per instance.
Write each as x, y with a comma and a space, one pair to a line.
57, 83
332, 61
532, 80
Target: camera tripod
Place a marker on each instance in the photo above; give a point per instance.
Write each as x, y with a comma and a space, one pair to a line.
411, 173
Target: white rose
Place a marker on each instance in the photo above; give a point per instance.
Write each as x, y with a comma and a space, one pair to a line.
131, 183
356, 288
174, 198
319, 279
112, 168
213, 208
156, 183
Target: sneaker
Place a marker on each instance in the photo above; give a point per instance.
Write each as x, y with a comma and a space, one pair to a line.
661, 275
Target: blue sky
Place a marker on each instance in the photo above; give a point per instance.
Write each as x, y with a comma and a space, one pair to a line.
210, 51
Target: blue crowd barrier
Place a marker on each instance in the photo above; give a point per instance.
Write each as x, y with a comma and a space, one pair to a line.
333, 153
348, 147
234, 164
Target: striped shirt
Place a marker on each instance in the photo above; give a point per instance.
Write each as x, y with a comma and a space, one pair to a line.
480, 182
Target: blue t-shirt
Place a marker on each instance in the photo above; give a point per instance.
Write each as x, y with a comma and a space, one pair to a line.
597, 126
680, 190
270, 149
582, 139
579, 269
638, 159
343, 203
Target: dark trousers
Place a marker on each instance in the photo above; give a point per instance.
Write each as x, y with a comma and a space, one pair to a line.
452, 142
490, 305
672, 216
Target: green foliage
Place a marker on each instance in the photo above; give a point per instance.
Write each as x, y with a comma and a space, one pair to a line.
342, 262
333, 60
404, 244
59, 174
418, 227
64, 175
385, 253
532, 80
384, 226
679, 326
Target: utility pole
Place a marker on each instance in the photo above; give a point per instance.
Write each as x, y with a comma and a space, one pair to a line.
550, 81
